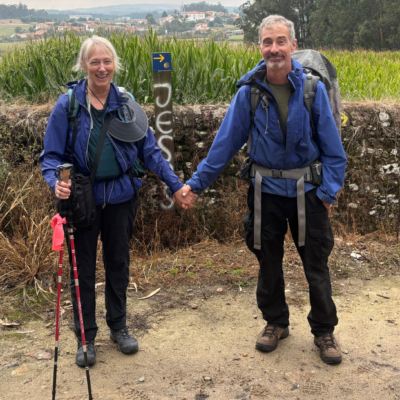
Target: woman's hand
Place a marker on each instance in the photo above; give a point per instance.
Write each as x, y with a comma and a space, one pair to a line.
185, 197
62, 190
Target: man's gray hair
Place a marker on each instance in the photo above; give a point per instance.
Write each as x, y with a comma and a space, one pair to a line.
277, 19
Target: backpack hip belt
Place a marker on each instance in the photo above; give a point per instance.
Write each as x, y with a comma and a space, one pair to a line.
302, 175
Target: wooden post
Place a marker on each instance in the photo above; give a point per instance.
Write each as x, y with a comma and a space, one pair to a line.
163, 114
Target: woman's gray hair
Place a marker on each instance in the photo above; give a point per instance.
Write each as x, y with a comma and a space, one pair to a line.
277, 19
88, 47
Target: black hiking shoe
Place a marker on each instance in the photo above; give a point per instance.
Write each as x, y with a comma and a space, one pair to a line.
126, 343
91, 354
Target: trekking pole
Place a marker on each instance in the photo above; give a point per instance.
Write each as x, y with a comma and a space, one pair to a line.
78, 298
57, 322
64, 173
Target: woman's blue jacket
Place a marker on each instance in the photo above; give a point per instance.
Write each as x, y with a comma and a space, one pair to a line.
57, 143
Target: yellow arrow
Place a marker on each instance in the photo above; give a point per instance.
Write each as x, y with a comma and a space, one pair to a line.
161, 58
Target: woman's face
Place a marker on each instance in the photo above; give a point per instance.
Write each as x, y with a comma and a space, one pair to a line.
100, 69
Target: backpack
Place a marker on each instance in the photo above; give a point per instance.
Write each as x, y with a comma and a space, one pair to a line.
73, 108
318, 68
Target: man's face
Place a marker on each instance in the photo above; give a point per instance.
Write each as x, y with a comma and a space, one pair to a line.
275, 47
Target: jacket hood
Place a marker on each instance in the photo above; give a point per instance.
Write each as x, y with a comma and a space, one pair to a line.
297, 69
115, 100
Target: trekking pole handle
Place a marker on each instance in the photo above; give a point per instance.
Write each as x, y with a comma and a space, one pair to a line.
64, 172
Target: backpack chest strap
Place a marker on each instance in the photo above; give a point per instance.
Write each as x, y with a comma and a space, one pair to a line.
302, 175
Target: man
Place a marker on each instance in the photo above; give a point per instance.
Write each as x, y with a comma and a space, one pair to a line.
282, 144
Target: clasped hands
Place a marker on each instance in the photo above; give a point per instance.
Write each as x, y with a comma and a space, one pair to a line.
185, 197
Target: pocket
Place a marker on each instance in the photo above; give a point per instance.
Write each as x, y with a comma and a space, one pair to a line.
320, 242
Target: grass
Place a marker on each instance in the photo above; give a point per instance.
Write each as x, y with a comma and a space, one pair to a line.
236, 38
7, 30
203, 72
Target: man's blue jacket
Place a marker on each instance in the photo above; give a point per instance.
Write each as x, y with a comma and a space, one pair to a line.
57, 142
269, 149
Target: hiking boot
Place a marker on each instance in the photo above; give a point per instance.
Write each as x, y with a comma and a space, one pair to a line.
91, 353
126, 343
269, 337
330, 352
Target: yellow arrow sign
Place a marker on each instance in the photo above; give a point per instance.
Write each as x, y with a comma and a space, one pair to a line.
161, 58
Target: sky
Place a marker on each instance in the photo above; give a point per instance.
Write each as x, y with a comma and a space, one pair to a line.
70, 4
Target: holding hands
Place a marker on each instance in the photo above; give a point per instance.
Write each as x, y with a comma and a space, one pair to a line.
185, 197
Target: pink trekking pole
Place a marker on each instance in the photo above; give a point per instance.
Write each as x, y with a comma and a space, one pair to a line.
64, 172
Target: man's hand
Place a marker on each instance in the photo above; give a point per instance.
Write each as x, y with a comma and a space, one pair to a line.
185, 197
328, 207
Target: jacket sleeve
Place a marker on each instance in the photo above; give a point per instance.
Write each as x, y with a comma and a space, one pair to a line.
54, 142
232, 135
332, 154
151, 155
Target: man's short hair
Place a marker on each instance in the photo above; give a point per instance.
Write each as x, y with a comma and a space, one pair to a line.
277, 19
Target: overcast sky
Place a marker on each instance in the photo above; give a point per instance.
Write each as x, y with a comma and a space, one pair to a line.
70, 4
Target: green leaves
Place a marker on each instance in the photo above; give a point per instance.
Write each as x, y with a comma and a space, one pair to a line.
202, 71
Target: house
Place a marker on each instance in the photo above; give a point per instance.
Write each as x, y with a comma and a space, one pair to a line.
201, 27
210, 18
211, 13
44, 27
195, 15
91, 28
220, 14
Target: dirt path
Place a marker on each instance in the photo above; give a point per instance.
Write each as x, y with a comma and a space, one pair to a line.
199, 353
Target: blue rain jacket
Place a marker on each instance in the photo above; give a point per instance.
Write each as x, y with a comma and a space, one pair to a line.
57, 142
268, 149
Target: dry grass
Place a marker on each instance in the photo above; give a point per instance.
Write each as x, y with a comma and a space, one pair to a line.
25, 237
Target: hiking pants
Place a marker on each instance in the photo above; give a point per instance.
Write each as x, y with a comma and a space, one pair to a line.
115, 225
277, 211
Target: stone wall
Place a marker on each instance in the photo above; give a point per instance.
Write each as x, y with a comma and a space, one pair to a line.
368, 201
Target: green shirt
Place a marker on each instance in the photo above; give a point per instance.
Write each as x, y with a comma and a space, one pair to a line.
282, 95
108, 167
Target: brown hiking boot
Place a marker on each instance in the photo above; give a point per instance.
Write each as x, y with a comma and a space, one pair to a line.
329, 349
269, 337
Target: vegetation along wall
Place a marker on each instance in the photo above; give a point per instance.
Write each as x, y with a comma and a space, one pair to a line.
369, 200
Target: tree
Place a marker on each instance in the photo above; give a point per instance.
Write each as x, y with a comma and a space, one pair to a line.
18, 29
82, 19
218, 36
298, 11
164, 14
211, 24
218, 20
150, 19
203, 7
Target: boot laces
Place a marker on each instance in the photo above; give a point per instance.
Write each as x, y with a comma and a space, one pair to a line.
270, 331
124, 333
328, 341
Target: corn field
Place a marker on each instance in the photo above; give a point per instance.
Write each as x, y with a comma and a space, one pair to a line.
202, 71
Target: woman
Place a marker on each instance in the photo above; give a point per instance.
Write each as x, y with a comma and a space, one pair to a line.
114, 189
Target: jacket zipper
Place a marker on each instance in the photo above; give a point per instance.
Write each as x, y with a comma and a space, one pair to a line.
112, 188
115, 147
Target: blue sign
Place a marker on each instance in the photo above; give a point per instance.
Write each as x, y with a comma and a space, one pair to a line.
161, 62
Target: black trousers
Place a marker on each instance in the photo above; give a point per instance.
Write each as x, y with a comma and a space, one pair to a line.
277, 211
115, 225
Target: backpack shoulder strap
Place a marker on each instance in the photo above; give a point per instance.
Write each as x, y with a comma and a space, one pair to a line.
310, 86
73, 108
255, 96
